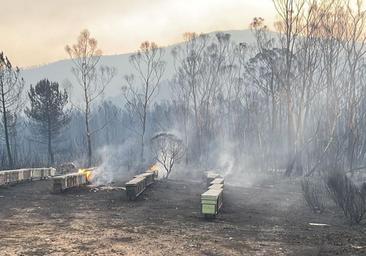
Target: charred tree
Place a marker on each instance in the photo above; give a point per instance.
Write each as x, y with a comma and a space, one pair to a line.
289, 26
11, 88
149, 68
92, 79
167, 150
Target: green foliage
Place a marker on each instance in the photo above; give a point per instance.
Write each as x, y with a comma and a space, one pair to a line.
48, 107
47, 112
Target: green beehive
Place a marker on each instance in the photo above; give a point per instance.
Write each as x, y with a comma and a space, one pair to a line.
211, 201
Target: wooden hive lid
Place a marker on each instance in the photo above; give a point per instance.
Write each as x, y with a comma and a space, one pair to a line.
136, 180
152, 171
218, 181
146, 174
212, 175
58, 177
68, 175
211, 194
216, 186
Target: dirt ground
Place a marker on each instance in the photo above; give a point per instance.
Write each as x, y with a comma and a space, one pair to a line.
268, 218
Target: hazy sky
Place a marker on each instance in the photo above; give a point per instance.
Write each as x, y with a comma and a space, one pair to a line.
35, 32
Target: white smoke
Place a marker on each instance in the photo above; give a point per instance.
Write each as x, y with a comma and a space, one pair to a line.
116, 163
226, 160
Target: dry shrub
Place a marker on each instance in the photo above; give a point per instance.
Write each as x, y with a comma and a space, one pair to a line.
350, 198
314, 194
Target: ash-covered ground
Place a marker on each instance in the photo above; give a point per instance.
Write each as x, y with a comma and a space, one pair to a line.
268, 218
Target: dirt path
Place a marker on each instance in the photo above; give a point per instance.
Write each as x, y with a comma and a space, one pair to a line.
268, 219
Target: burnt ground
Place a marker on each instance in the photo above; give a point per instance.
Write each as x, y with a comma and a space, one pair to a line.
266, 219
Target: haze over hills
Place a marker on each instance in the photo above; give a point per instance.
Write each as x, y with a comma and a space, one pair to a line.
60, 71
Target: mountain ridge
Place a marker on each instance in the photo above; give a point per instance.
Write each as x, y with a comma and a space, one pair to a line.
60, 71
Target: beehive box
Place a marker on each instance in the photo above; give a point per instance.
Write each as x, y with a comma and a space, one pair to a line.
51, 172
216, 186
217, 181
2, 178
37, 173
59, 184
67, 181
211, 201
27, 174
135, 187
11, 176
149, 178
75, 180
154, 172
20, 175
210, 176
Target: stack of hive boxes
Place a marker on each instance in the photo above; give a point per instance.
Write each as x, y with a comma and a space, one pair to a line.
21, 175
212, 199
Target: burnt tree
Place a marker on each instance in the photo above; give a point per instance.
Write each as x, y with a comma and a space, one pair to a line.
149, 67
92, 79
11, 87
167, 150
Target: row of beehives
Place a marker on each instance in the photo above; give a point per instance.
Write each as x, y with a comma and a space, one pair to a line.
139, 183
21, 175
212, 199
71, 180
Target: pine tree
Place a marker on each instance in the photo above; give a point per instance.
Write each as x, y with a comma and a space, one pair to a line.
48, 113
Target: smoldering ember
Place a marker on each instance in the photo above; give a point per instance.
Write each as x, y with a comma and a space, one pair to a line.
249, 140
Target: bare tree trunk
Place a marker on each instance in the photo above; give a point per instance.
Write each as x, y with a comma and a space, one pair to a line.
50, 152
144, 123
148, 63
143, 141
197, 124
87, 125
185, 117
6, 130
93, 81
88, 135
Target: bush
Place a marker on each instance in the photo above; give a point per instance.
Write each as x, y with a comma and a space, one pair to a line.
314, 194
350, 198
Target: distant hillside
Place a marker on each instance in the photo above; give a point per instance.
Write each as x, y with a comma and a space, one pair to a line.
60, 71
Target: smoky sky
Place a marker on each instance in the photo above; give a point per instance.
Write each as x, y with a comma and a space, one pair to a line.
36, 32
